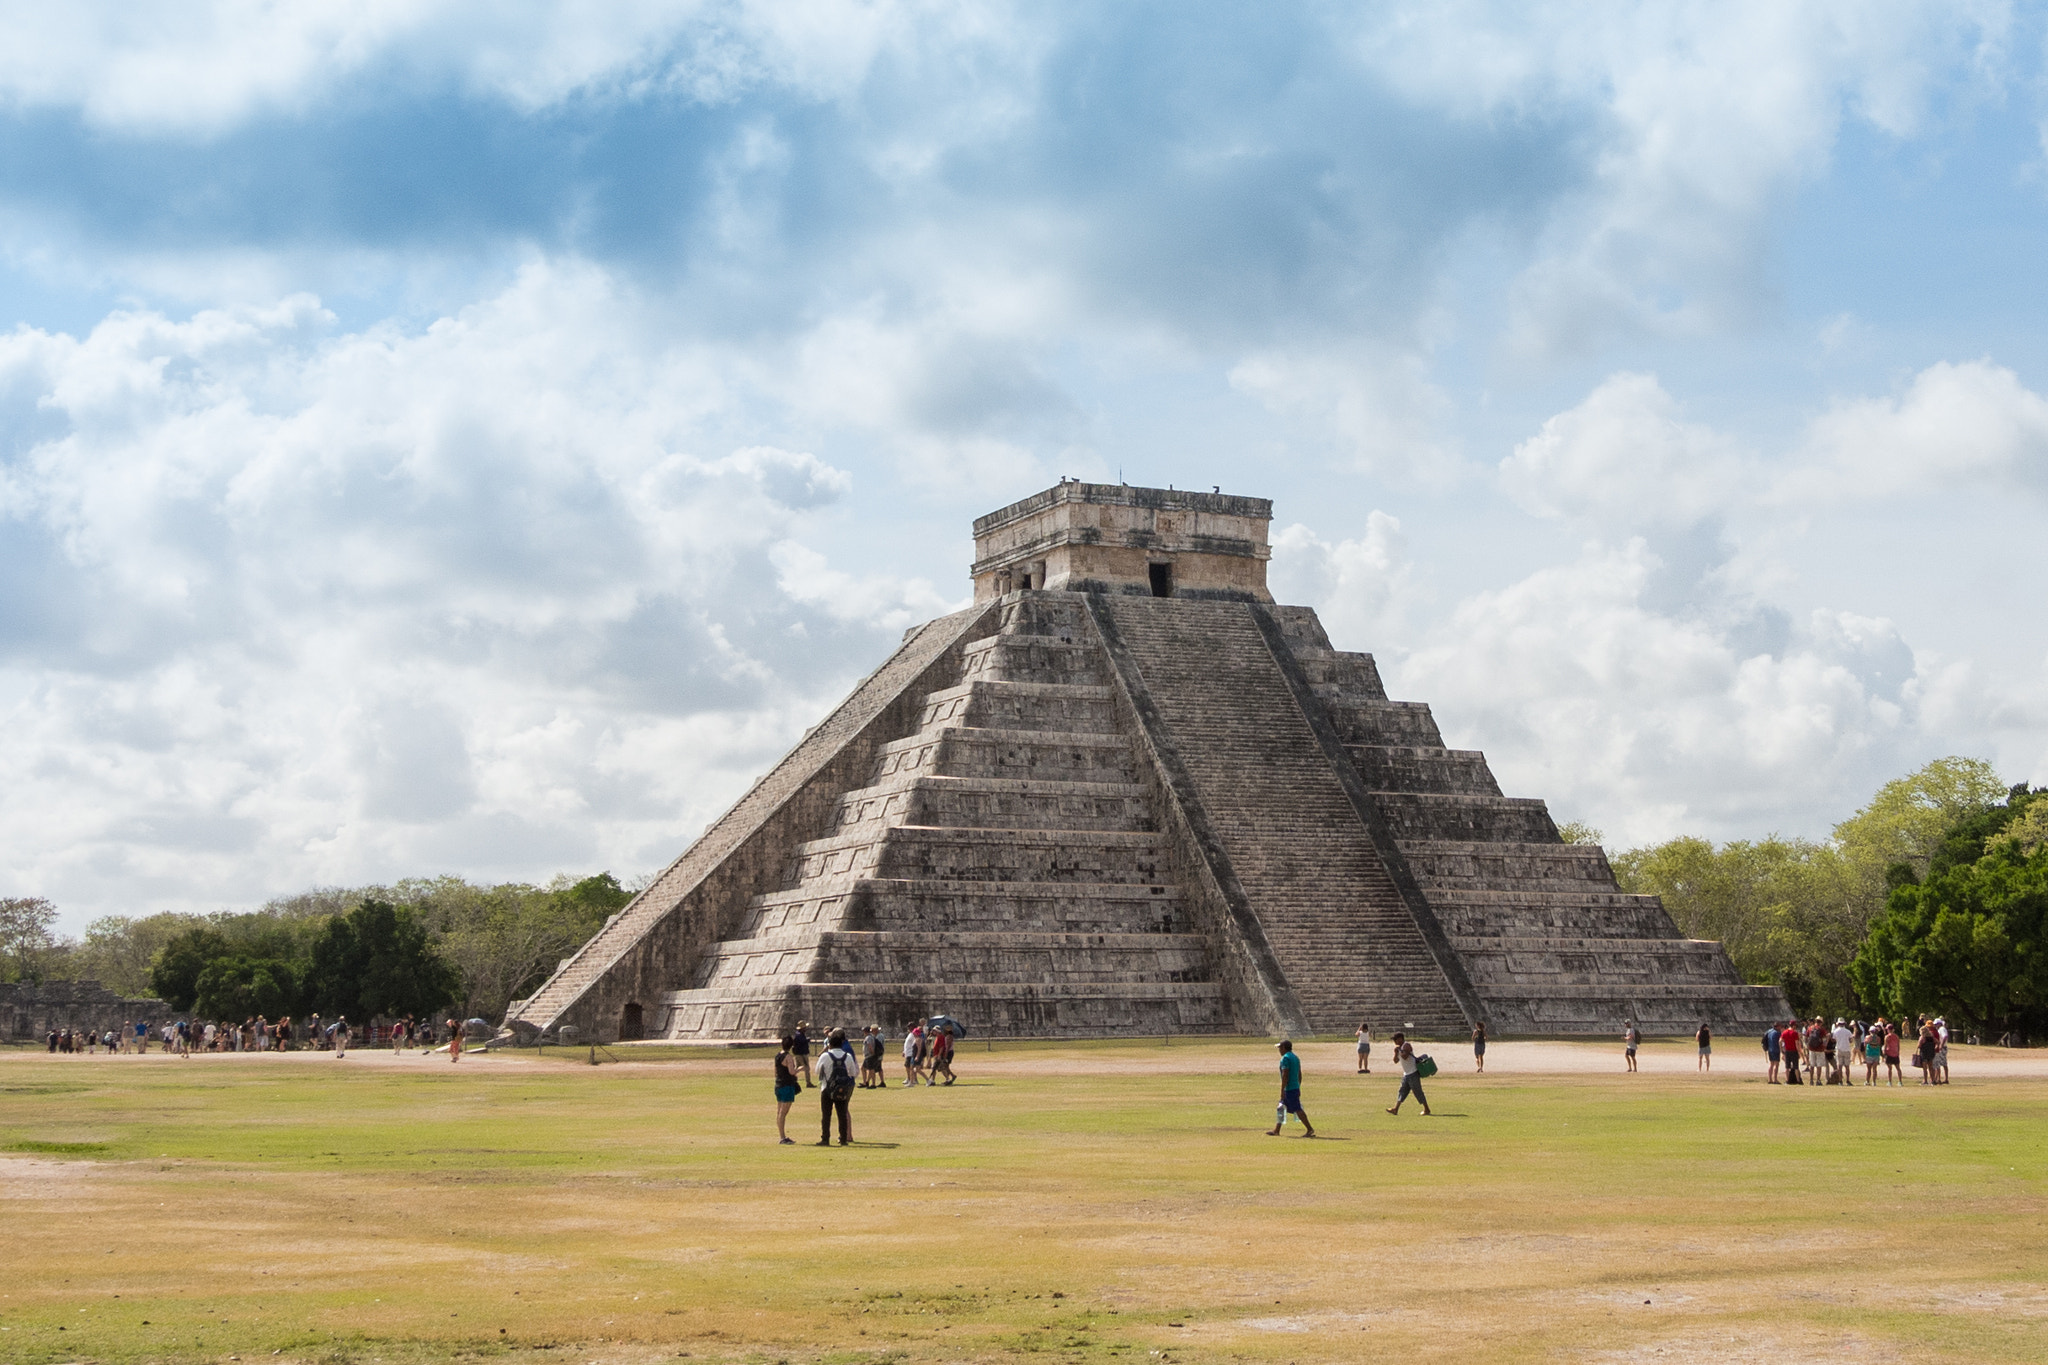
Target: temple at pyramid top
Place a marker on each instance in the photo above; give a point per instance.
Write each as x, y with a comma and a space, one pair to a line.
1127, 793
1138, 542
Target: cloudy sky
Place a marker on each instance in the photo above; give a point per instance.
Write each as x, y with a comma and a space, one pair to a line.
479, 438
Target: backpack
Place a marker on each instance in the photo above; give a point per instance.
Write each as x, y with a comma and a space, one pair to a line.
840, 1083
1425, 1066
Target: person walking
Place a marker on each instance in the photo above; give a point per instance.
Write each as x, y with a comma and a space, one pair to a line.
1845, 1049
341, 1034
913, 1054
1705, 1038
1411, 1075
942, 1054
800, 1052
1631, 1039
1479, 1048
837, 1071
1365, 1047
785, 1091
1290, 1091
455, 1041
871, 1058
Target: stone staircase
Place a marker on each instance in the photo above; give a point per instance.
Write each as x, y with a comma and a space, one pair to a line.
1337, 924
1548, 941
1003, 863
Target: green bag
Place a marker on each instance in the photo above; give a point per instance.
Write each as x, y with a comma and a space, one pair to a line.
1425, 1065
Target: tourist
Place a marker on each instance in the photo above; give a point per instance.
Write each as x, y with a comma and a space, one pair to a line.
1479, 1048
341, 1035
1365, 1048
1923, 1056
1290, 1091
1941, 1052
1873, 1051
1411, 1074
1845, 1048
398, 1036
785, 1091
1631, 1039
1830, 1051
913, 1054
454, 1041
1892, 1074
942, 1054
837, 1072
142, 1036
1705, 1038
871, 1077
1788, 1043
800, 1051
316, 1033
1771, 1046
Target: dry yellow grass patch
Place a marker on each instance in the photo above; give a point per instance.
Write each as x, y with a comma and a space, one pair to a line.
1089, 1203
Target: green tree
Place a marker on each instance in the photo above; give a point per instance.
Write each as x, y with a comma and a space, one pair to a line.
1578, 832
29, 947
234, 988
377, 960
1910, 816
504, 940
175, 970
1788, 911
1970, 943
117, 951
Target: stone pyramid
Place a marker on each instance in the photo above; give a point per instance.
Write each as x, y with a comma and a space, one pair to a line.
1125, 793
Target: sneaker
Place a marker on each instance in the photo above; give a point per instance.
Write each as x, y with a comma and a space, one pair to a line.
789, 1142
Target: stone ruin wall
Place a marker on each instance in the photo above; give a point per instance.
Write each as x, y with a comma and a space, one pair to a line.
31, 1011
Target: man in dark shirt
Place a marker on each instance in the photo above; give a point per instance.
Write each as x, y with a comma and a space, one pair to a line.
800, 1052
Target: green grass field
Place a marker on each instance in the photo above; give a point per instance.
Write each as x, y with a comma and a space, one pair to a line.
1085, 1203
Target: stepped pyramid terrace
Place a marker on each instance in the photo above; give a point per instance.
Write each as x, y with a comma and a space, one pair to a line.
1126, 793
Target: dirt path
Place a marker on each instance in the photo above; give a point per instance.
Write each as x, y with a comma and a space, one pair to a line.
1736, 1060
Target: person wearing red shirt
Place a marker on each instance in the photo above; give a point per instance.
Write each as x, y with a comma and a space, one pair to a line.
1788, 1045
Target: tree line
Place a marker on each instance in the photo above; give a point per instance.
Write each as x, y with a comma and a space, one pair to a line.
416, 947
1931, 898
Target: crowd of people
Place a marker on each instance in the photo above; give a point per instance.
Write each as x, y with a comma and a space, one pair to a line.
927, 1058
257, 1033
1816, 1053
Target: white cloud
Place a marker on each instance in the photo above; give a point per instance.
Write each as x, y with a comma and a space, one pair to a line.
203, 67
1706, 119
1971, 423
286, 604
1625, 457
1377, 406
1650, 723
1362, 588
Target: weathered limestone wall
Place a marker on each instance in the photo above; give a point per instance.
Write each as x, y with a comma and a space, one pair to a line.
1005, 861
1344, 938
657, 940
1088, 537
31, 1011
